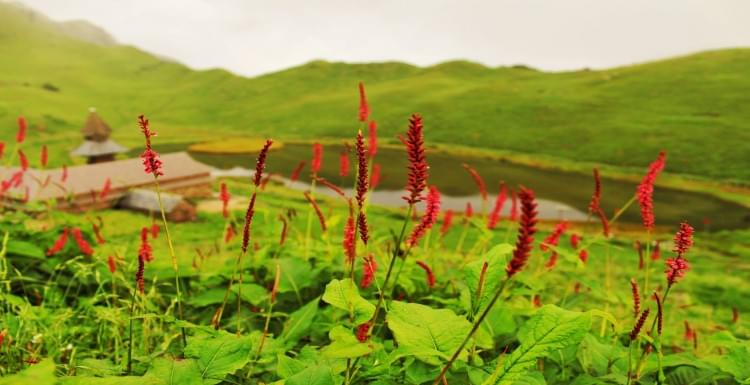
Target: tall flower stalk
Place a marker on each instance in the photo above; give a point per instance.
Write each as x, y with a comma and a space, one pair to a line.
153, 165
521, 254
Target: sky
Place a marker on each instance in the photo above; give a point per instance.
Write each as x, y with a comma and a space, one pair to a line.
252, 37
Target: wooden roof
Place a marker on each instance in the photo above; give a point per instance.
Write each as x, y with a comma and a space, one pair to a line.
180, 170
96, 128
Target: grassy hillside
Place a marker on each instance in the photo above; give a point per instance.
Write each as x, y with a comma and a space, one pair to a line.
695, 107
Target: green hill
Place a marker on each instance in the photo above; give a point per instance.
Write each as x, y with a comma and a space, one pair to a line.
696, 107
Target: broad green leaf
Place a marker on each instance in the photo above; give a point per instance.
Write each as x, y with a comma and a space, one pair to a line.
26, 249
499, 322
345, 295
496, 259
219, 355
98, 368
549, 330
252, 293
596, 356
178, 372
41, 373
314, 375
114, 380
421, 329
211, 297
295, 274
735, 362
287, 366
299, 322
345, 345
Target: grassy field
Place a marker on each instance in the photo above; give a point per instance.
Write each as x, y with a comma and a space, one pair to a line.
694, 107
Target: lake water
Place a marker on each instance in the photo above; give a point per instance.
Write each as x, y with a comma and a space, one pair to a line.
562, 195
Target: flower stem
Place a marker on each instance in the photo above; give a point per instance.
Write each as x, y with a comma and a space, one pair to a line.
174, 258
474, 328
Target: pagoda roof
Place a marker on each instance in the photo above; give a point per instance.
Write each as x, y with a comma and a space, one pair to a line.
94, 148
96, 128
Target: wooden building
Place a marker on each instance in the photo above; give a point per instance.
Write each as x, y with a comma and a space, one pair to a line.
97, 146
82, 188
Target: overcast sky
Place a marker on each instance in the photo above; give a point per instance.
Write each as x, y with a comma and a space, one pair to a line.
252, 37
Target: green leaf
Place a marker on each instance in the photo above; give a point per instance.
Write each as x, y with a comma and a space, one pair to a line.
735, 362
295, 274
345, 295
496, 260
314, 375
252, 293
299, 322
595, 356
178, 372
26, 249
425, 331
41, 373
97, 368
219, 355
211, 297
345, 345
287, 366
549, 330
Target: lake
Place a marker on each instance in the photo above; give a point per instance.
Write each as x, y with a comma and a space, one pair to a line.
562, 195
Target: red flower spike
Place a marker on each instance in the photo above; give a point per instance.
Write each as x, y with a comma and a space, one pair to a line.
284, 229
537, 301
83, 245
331, 186
636, 298
111, 264
735, 315
659, 313
478, 180
150, 158
368, 271
418, 168
645, 191
363, 332
139, 281
605, 222
554, 237
364, 108
22, 160
21, 134
98, 234
372, 148
43, 156
64, 175
552, 261
574, 240
59, 243
105, 189
583, 255
224, 197
430, 276
361, 170
596, 197
494, 216
364, 230
526, 231
639, 325
688, 332
319, 213
447, 222
343, 164
144, 251
2, 149
375, 178
317, 159
428, 219
297, 170
683, 239
469, 211
229, 233
154, 229
349, 242
656, 252
260, 163
248, 222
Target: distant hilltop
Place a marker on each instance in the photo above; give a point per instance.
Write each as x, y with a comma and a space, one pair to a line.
695, 107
